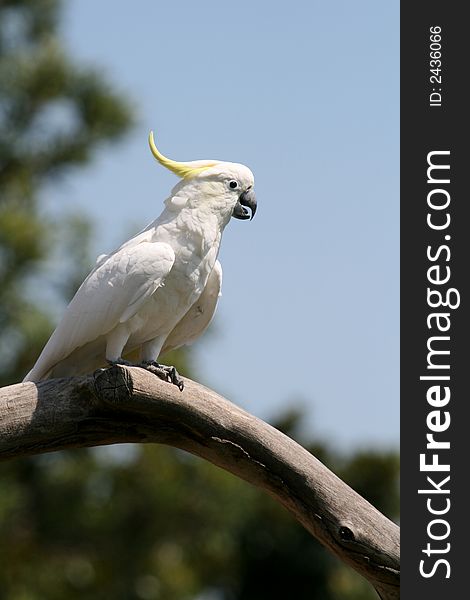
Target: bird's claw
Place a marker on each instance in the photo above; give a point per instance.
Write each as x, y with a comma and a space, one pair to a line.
113, 363
119, 361
167, 373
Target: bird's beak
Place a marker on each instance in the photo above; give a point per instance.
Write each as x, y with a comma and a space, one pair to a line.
247, 198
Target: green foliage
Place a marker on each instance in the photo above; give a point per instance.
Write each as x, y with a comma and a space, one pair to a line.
370, 475
53, 114
144, 522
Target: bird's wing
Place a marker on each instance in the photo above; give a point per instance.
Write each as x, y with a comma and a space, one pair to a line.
198, 317
113, 292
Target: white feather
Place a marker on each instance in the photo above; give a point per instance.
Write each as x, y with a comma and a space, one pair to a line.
112, 294
159, 290
199, 316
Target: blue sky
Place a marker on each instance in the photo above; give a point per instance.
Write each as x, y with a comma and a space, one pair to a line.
307, 95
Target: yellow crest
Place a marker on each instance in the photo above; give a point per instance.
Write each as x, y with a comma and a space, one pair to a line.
185, 170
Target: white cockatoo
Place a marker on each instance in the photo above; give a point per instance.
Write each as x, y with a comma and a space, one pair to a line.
160, 289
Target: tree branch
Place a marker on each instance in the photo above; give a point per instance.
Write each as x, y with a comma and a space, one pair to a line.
123, 404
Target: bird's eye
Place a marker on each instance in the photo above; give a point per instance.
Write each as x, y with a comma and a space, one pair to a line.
233, 184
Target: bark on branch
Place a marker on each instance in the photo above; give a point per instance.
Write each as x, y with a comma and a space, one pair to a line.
125, 404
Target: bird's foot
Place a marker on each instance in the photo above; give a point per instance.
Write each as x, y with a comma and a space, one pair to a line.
167, 373
113, 363
119, 361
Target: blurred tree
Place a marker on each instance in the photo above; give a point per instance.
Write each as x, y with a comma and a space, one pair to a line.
53, 114
148, 522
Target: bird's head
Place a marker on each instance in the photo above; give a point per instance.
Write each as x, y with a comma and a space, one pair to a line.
211, 185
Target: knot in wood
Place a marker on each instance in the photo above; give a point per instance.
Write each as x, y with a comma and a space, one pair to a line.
346, 534
113, 385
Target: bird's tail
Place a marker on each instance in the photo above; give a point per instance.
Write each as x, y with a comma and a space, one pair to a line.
36, 374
